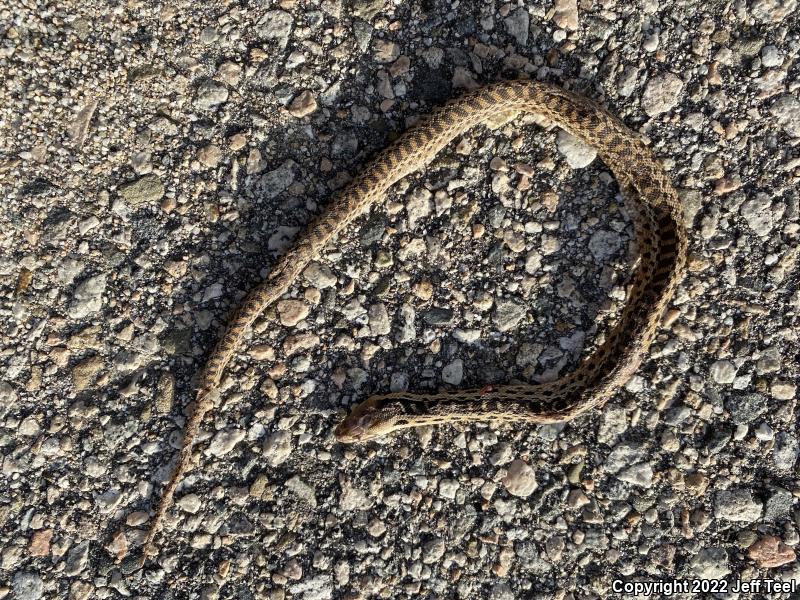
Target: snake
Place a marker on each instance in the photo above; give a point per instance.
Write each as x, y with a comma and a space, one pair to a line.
648, 195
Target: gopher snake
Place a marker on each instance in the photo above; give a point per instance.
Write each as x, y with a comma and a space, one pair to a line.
657, 216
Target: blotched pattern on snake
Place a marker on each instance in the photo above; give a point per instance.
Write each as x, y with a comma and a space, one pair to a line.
661, 236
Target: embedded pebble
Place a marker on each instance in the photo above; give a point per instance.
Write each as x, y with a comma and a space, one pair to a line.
40, 542
453, 372
77, 559
786, 111
29, 427
771, 56
710, 563
189, 503
577, 153
438, 316
520, 479
302, 490
517, 25
448, 488
211, 94
533, 261
291, 312
209, 155
758, 214
275, 25
230, 73
275, 182
723, 371
368, 9
661, 94
165, 393
303, 105
419, 205
433, 550
772, 11
225, 440
319, 276
507, 314
783, 390
83, 373
640, 474
144, 191
385, 51
353, 498
379, 322
737, 505
745, 408
88, 297
604, 244
27, 585
785, 451
278, 447
770, 552
565, 14
624, 454
696, 484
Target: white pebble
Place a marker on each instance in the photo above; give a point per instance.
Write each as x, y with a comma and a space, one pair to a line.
520, 479
225, 440
723, 371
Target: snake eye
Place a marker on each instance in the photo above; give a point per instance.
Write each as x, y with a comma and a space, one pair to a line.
402, 422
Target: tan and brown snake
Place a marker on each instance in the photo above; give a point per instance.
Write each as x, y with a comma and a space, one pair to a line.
661, 236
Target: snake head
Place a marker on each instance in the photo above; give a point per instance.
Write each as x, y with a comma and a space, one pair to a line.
371, 419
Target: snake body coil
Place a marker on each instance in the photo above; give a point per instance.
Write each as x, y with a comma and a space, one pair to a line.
657, 216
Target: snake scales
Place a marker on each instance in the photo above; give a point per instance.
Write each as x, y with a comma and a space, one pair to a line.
658, 219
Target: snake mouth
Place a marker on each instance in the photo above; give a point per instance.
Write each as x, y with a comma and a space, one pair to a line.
349, 433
